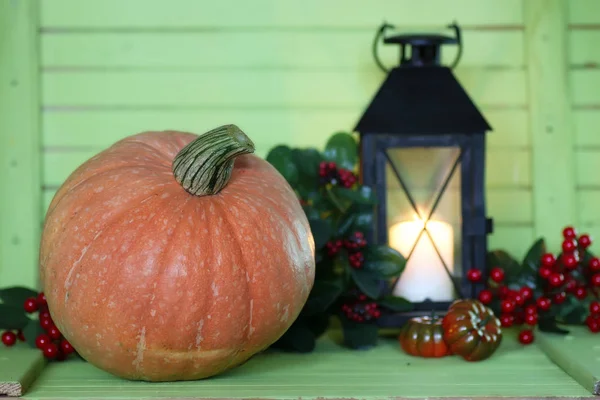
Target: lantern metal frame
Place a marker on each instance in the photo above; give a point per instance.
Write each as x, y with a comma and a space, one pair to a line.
421, 105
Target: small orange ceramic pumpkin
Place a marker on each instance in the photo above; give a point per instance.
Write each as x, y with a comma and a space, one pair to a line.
424, 337
171, 256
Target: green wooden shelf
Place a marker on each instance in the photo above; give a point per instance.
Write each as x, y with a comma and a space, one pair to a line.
331, 371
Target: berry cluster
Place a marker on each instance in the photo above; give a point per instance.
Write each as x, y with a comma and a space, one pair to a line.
517, 307
329, 173
52, 343
361, 310
572, 273
353, 245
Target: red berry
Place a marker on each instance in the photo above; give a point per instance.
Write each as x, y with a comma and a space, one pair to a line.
544, 303
580, 292
548, 260
569, 233
43, 314
531, 309
54, 333
593, 323
559, 298
30, 305
569, 245
526, 292
497, 274
41, 299
526, 336
571, 285
42, 340
474, 275
531, 319
507, 320
46, 323
595, 281
485, 296
545, 272
519, 299
595, 307
569, 260
20, 336
9, 338
507, 306
503, 291
594, 264
585, 241
66, 347
50, 350
556, 279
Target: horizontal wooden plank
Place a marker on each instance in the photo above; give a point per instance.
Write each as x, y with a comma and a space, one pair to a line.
516, 240
255, 88
585, 87
256, 49
506, 168
583, 48
588, 201
296, 127
508, 207
586, 123
133, 14
587, 167
584, 12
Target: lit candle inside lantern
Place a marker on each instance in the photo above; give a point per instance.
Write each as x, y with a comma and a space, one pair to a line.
424, 276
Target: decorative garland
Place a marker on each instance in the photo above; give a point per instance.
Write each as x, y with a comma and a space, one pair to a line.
545, 289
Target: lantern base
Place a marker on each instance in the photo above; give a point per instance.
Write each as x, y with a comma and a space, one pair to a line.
398, 319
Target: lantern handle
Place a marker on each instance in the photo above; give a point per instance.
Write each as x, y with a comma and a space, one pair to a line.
378, 36
456, 28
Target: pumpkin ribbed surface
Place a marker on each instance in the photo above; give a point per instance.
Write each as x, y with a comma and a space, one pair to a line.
150, 282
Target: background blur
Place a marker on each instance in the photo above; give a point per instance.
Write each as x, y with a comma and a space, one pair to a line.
77, 75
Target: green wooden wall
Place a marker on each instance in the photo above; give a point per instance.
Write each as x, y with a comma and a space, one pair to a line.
93, 71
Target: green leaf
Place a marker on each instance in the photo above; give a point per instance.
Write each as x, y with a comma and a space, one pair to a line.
383, 260
322, 295
12, 317
397, 304
318, 323
346, 224
572, 311
532, 259
281, 158
363, 220
298, 338
322, 231
549, 325
341, 204
308, 161
359, 336
500, 258
342, 149
362, 195
31, 331
16, 295
368, 282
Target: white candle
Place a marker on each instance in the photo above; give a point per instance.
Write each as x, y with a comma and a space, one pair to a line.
424, 276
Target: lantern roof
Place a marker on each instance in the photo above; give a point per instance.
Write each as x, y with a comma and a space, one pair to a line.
421, 101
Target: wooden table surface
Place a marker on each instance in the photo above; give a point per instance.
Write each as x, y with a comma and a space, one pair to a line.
330, 372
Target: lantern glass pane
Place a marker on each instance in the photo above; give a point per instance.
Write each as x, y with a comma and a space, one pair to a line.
431, 178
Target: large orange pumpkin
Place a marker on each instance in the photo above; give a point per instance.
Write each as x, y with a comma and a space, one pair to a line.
171, 256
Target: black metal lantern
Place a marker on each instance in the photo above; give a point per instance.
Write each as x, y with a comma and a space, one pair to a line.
422, 143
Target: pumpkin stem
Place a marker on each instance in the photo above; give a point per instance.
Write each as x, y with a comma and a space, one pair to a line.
204, 166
